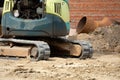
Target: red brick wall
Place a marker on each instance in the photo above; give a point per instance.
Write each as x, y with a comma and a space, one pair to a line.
94, 9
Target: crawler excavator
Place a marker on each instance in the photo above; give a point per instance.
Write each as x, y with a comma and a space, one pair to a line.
36, 28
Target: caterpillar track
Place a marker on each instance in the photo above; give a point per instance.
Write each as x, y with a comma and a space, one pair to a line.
86, 51
40, 50
36, 50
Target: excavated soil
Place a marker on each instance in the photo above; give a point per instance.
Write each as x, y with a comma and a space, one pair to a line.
105, 64
105, 39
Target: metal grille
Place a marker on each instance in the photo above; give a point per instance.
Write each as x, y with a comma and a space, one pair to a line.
7, 5
57, 8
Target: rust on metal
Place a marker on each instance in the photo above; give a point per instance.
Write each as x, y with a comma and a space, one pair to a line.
87, 25
105, 22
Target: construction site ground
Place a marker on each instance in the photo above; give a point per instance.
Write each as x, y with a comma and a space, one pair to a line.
104, 65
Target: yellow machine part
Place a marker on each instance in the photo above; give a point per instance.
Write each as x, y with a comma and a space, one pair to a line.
59, 8
8, 6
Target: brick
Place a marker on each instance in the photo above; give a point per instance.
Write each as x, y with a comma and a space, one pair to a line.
94, 9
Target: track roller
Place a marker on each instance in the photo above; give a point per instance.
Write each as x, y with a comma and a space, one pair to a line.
86, 51
41, 52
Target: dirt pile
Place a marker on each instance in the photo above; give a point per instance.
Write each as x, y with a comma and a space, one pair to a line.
104, 38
